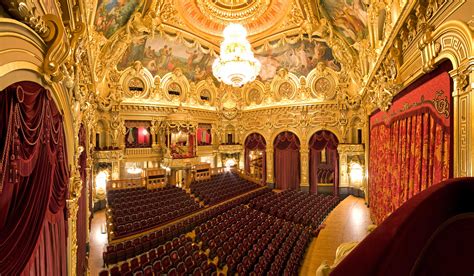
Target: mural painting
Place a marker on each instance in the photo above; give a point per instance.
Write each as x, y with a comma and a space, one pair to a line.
349, 17
299, 58
113, 14
161, 56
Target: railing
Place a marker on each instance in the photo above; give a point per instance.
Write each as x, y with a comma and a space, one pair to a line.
204, 175
119, 184
249, 177
138, 151
215, 171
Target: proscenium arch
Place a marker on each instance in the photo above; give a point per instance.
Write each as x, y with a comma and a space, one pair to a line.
460, 31
29, 53
24, 62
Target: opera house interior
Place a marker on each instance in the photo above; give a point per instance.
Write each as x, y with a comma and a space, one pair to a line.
236, 137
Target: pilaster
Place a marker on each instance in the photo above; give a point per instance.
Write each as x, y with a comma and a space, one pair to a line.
269, 164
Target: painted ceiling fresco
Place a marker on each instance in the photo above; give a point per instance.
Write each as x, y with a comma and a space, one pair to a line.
299, 58
349, 17
161, 55
113, 14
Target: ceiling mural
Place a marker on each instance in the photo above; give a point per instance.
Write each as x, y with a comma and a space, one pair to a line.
298, 58
113, 14
349, 17
161, 55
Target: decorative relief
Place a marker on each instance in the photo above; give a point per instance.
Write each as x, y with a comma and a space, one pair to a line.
136, 81
175, 86
284, 85
286, 90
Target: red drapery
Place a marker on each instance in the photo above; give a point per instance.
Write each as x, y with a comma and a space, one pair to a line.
327, 171
410, 144
256, 141
82, 211
287, 161
33, 188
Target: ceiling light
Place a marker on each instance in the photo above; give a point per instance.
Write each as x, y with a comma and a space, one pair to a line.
236, 65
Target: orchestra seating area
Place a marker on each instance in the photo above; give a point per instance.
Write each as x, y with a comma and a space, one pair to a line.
258, 233
298, 207
118, 252
240, 240
221, 187
246, 240
137, 209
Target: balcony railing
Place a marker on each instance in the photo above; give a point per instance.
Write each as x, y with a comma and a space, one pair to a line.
138, 151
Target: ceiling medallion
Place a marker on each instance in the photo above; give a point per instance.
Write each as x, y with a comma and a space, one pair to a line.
234, 10
210, 17
236, 65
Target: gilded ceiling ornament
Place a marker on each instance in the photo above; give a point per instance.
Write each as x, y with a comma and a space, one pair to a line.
257, 16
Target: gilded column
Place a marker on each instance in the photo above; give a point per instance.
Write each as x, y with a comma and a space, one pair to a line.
269, 153
304, 183
73, 207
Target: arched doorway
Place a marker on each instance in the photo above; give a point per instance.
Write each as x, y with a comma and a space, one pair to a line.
34, 183
287, 161
324, 163
255, 156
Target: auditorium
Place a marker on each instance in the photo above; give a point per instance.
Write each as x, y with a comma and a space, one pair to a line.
237, 137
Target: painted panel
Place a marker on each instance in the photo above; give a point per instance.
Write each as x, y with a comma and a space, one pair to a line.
113, 14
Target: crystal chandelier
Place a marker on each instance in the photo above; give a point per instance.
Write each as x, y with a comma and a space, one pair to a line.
236, 65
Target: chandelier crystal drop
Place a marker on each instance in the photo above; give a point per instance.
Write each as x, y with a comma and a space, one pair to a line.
236, 65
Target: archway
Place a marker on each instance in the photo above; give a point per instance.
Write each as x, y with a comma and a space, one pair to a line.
324, 163
33, 188
255, 156
287, 161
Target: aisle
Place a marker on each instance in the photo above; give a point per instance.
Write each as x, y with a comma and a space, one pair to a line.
346, 223
97, 243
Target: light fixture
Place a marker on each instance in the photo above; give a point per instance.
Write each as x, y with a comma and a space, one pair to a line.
144, 132
236, 65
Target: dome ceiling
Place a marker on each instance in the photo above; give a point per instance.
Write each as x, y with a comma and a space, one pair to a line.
291, 34
257, 16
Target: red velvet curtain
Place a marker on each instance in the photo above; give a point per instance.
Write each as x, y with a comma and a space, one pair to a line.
323, 140
410, 146
82, 211
287, 161
255, 141
33, 187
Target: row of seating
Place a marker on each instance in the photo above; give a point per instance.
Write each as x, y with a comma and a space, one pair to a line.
296, 206
181, 256
221, 187
246, 240
118, 252
142, 196
249, 243
148, 208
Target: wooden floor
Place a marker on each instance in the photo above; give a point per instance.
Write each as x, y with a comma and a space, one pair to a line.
347, 222
97, 243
